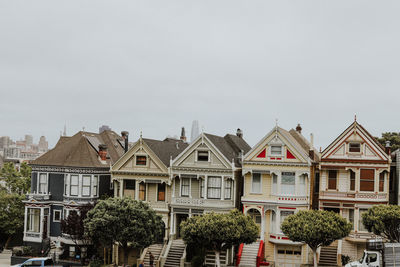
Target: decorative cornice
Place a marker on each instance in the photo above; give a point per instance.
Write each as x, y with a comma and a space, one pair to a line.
140, 173
277, 164
70, 169
200, 170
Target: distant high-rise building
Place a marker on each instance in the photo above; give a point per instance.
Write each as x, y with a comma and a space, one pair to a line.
43, 144
5, 141
104, 128
195, 130
28, 140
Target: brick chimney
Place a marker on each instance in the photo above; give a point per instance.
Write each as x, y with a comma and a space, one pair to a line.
239, 133
125, 136
103, 151
183, 136
298, 128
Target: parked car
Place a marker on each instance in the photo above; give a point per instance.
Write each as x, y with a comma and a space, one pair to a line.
38, 262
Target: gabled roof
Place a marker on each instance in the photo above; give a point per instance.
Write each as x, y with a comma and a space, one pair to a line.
81, 150
304, 143
230, 146
166, 149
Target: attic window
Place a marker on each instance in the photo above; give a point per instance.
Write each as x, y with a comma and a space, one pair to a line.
355, 147
276, 150
202, 155
141, 160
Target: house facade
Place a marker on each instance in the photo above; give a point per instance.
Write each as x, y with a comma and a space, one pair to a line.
74, 173
206, 177
278, 174
354, 176
142, 173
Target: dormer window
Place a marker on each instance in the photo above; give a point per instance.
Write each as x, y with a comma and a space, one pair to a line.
276, 150
141, 160
355, 147
202, 155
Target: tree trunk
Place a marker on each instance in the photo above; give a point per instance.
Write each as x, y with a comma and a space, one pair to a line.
315, 258
217, 258
126, 252
8, 241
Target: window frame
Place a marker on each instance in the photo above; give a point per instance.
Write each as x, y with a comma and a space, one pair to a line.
352, 180
293, 191
73, 185
381, 182
141, 156
367, 180
354, 143
202, 191
133, 182
218, 189
329, 178
199, 152
54, 215
182, 185
30, 224
143, 190
253, 191
86, 186
228, 181
273, 153
40, 183
158, 192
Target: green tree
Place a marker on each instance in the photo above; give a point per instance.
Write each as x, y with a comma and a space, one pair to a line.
17, 181
219, 231
383, 220
11, 214
392, 137
125, 221
315, 228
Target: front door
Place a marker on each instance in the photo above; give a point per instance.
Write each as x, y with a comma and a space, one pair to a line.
180, 218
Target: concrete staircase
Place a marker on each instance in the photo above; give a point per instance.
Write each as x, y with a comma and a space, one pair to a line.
210, 258
249, 255
55, 251
328, 256
155, 249
175, 253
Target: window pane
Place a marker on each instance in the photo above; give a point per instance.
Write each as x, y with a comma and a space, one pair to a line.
161, 192
355, 147
367, 179
256, 184
142, 191
288, 183
74, 179
130, 184
361, 226
381, 182
86, 180
284, 214
185, 186
141, 160
228, 189
214, 187
202, 155
352, 180
332, 174
276, 150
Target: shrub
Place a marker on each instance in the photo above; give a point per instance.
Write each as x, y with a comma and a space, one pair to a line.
345, 259
197, 261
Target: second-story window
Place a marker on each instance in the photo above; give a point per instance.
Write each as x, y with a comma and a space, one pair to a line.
228, 189
86, 185
74, 185
352, 180
302, 185
214, 187
367, 180
161, 192
288, 183
130, 184
142, 191
95, 184
202, 188
274, 183
381, 182
185, 187
332, 179
42, 183
256, 183
141, 160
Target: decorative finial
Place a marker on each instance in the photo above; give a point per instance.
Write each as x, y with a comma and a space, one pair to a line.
276, 123
355, 117
140, 134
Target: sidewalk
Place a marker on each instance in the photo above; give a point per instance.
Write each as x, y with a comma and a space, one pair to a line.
5, 258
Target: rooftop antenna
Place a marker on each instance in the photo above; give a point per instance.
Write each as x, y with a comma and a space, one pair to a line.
65, 129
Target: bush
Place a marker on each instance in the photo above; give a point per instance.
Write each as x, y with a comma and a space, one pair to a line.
345, 259
197, 261
96, 263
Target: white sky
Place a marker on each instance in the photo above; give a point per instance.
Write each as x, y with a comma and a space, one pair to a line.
154, 66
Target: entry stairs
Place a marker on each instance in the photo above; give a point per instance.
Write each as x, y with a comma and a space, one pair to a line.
210, 258
328, 256
155, 249
249, 255
175, 253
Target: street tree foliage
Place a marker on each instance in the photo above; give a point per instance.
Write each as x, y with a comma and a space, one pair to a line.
218, 231
393, 137
315, 228
73, 225
130, 223
383, 220
11, 214
17, 181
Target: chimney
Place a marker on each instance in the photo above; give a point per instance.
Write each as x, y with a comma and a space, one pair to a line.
311, 151
298, 128
183, 136
387, 147
239, 133
125, 135
103, 151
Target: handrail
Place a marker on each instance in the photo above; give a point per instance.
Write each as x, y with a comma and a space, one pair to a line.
142, 256
163, 256
239, 254
260, 254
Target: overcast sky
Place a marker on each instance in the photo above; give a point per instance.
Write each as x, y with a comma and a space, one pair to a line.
155, 66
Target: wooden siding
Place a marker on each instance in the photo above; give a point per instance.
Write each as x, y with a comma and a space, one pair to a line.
195, 188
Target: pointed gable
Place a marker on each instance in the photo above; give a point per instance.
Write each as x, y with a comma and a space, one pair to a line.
355, 144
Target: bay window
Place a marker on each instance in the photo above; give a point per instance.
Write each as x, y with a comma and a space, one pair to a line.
256, 183
43, 183
228, 189
185, 187
74, 185
288, 183
142, 191
86, 185
214, 187
367, 180
33, 220
332, 179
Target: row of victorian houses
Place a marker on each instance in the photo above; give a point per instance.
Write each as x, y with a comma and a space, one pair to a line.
282, 174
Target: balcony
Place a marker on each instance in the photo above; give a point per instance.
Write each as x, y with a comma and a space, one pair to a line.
39, 196
281, 239
356, 196
200, 202
79, 199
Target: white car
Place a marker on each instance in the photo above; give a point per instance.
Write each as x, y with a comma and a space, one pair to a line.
38, 262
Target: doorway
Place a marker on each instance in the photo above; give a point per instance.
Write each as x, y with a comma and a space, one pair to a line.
179, 219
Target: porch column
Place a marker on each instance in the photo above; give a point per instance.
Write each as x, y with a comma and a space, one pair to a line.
278, 221
222, 187
279, 180
41, 222
25, 220
205, 186
121, 190
136, 190
171, 230
173, 187
262, 225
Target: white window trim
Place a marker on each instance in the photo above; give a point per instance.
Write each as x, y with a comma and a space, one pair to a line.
252, 189
180, 187
355, 153
94, 193
54, 215
231, 188
70, 185
275, 155
197, 155
221, 192
90, 185
38, 182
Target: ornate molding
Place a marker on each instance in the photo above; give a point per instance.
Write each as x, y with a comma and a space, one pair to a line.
71, 170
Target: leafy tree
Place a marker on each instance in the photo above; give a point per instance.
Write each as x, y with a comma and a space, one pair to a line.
11, 214
393, 137
125, 221
383, 220
17, 181
219, 231
315, 228
73, 225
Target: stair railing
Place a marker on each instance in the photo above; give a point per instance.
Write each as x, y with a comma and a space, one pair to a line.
158, 261
239, 254
182, 262
164, 255
260, 253
142, 256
